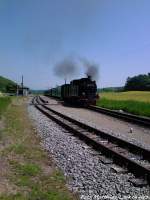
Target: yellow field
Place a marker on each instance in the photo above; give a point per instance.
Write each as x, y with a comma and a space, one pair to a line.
131, 95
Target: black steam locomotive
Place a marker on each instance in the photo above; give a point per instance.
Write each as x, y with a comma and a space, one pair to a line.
81, 91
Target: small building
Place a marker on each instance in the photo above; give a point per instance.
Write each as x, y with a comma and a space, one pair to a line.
23, 91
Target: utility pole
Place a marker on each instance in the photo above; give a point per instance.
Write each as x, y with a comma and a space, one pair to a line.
22, 85
17, 89
65, 81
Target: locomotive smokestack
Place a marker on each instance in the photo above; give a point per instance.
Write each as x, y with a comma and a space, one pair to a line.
89, 77
92, 69
65, 81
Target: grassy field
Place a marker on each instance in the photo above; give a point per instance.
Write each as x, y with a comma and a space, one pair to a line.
131, 95
26, 171
136, 102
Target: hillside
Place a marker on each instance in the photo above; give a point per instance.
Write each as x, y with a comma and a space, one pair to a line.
6, 84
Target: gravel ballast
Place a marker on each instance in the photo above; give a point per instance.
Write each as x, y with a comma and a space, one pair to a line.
122, 129
85, 172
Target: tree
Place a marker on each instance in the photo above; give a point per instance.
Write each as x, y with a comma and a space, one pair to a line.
11, 88
140, 82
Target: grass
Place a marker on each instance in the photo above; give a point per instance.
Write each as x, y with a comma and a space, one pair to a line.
135, 102
142, 96
28, 172
4, 102
27, 169
18, 148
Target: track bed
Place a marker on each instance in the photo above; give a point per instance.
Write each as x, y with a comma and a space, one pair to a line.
139, 135
135, 158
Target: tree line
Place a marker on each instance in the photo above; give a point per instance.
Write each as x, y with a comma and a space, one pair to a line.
7, 86
140, 82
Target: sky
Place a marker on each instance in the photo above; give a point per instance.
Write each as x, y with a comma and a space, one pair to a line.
35, 35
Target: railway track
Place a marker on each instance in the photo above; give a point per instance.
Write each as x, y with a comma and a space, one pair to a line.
145, 121
127, 155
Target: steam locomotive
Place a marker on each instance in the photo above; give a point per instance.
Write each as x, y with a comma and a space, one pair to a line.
81, 92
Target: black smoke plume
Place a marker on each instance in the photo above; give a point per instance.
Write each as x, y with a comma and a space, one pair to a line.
92, 69
67, 68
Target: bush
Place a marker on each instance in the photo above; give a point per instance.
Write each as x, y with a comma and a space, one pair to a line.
140, 83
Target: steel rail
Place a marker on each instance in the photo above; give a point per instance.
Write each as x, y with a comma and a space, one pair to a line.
134, 148
84, 132
145, 121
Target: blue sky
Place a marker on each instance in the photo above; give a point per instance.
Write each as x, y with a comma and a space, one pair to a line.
37, 34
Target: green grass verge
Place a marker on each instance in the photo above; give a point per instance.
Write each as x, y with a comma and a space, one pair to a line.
4, 102
29, 173
134, 107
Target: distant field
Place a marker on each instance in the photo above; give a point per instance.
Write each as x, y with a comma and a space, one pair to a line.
135, 102
132, 95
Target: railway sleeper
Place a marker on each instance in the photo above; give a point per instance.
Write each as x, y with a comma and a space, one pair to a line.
133, 148
118, 157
